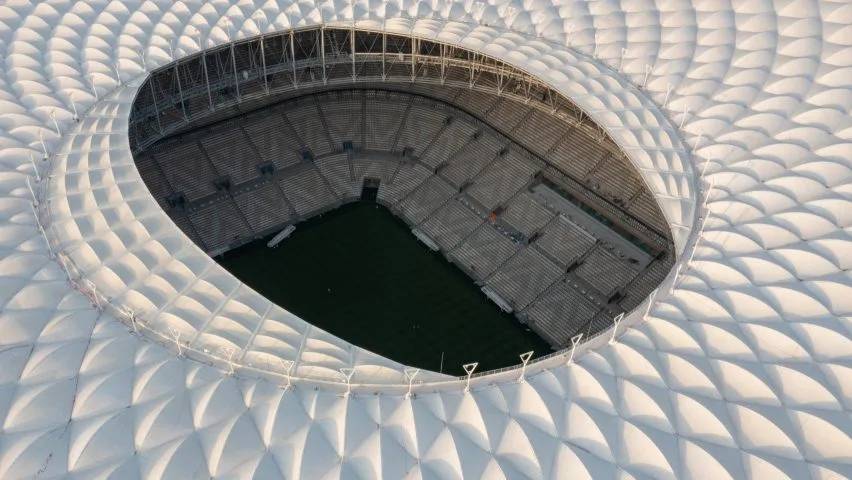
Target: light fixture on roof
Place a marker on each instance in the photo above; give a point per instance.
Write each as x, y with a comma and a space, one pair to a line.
574, 341
469, 369
347, 375
410, 373
525, 358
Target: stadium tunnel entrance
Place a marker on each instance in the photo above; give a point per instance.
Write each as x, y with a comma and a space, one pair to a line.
488, 166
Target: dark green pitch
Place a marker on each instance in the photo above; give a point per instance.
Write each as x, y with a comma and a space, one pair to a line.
359, 273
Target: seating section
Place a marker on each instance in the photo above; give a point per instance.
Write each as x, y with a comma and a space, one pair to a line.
373, 168
560, 313
576, 154
598, 323
459, 175
231, 154
565, 241
182, 221
264, 207
219, 224
644, 207
605, 271
422, 122
475, 102
523, 277
187, 169
527, 215
501, 180
338, 171
307, 122
450, 140
384, 115
307, 191
646, 281
154, 179
483, 251
406, 178
451, 224
609, 181
344, 115
505, 115
273, 139
540, 132
470, 160
430, 195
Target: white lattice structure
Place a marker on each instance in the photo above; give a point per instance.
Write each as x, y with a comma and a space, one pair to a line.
127, 353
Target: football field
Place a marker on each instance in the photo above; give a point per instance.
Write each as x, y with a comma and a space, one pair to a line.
359, 273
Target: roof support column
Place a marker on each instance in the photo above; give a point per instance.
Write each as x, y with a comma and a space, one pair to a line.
293, 58
443, 64
352, 44
263, 63
156, 108
207, 80
322, 53
471, 58
180, 92
234, 65
413, 57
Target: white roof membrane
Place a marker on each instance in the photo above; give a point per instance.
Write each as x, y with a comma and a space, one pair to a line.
739, 367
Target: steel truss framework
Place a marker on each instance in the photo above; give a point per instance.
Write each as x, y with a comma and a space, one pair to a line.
302, 59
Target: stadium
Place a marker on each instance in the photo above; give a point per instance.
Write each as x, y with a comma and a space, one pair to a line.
426, 240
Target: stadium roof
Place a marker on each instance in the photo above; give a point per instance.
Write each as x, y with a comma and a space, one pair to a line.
737, 117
